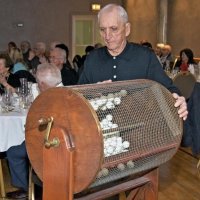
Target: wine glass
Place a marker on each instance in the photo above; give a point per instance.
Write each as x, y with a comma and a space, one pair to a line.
24, 86
7, 100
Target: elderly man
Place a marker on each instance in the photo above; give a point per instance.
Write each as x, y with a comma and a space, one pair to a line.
120, 60
37, 56
166, 56
58, 57
48, 76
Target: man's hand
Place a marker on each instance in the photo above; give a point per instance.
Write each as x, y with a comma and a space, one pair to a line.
181, 103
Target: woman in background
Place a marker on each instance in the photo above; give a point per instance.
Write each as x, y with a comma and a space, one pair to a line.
186, 61
8, 81
20, 68
17, 59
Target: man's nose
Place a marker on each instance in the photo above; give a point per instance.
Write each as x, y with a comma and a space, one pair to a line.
107, 34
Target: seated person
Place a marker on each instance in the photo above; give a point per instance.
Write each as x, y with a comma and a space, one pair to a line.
186, 61
8, 81
58, 58
166, 57
20, 68
25, 47
48, 76
37, 56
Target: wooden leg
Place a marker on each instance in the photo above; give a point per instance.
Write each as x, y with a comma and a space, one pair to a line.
31, 194
2, 185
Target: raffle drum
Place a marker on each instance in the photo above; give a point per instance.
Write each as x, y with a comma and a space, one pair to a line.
99, 140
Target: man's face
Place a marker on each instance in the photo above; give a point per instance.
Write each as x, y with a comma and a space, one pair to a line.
113, 31
24, 47
39, 49
56, 59
165, 51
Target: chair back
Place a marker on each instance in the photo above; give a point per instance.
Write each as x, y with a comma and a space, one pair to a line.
185, 82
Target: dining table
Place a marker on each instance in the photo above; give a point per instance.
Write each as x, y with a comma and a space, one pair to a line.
12, 128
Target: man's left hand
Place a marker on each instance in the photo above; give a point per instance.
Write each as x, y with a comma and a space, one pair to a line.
181, 103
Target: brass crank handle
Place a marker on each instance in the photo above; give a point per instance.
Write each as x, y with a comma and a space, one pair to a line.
48, 121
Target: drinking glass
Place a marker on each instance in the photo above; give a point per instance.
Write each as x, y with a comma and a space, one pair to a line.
7, 100
24, 86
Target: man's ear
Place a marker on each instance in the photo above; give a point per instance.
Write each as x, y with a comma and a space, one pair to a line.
128, 29
42, 86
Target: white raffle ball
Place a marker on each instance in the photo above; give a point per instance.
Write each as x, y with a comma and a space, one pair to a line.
110, 150
95, 107
118, 149
103, 108
121, 166
104, 121
117, 100
110, 97
109, 117
126, 144
105, 171
114, 126
110, 124
99, 102
103, 99
99, 175
123, 93
113, 143
110, 105
130, 164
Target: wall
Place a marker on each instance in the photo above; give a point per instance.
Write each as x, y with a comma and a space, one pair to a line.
143, 16
183, 25
44, 20
49, 20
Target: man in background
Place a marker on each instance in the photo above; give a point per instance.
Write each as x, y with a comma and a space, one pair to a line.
48, 76
166, 56
58, 58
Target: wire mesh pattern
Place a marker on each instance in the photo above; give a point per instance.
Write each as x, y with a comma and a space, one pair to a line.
140, 126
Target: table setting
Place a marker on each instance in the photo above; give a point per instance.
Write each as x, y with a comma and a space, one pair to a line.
13, 111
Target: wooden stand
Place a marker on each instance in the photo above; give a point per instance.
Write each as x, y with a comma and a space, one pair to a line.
144, 187
58, 170
58, 176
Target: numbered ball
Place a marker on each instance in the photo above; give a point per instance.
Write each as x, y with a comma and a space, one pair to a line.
121, 166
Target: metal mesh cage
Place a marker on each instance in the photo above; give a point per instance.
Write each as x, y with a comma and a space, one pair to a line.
134, 127
140, 126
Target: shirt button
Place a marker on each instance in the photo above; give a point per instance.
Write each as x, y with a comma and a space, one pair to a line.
114, 66
114, 76
114, 57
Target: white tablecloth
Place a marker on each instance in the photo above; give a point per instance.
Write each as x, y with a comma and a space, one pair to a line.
12, 130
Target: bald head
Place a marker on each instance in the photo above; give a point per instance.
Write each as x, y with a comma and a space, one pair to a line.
114, 7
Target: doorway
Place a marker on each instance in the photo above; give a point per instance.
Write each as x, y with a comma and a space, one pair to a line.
84, 32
